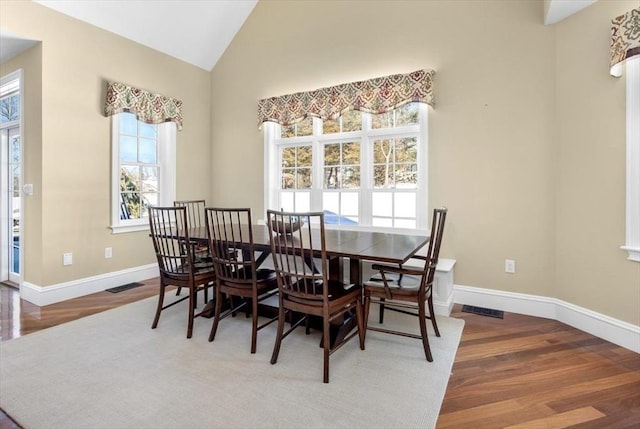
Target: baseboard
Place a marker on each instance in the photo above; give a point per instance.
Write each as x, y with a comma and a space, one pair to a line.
42, 296
613, 330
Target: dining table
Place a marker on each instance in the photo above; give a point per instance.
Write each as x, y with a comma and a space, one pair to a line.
342, 245
354, 246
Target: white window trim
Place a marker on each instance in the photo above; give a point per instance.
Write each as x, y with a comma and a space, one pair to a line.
272, 131
632, 244
166, 180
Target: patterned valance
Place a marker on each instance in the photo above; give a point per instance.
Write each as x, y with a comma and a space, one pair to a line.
148, 107
377, 95
625, 40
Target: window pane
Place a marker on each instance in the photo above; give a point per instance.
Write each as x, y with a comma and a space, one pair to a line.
406, 176
288, 178
351, 177
383, 151
331, 201
304, 178
382, 203
406, 150
132, 201
148, 199
382, 176
148, 151
330, 127
289, 157
286, 201
10, 108
332, 154
149, 182
128, 124
148, 131
351, 121
350, 203
351, 153
331, 178
304, 156
303, 201
304, 127
405, 205
128, 149
383, 120
406, 115
129, 179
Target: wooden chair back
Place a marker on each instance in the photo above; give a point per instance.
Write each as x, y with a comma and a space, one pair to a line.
230, 232
170, 234
195, 211
299, 255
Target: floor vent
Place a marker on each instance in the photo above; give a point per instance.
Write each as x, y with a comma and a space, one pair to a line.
499, 314
124, 287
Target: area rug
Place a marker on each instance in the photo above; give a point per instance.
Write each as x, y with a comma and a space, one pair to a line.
111, 370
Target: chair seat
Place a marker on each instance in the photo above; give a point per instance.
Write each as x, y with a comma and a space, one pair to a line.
336, 291
393, 280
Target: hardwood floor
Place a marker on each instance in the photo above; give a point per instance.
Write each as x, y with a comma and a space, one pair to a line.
516, 372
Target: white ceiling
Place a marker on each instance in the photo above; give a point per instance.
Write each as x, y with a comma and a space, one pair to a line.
195, 31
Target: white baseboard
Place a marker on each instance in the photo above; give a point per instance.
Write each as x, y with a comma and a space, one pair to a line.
42, 296
613, 330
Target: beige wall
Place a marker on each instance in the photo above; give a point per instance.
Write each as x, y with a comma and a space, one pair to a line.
590, 191
69, 161
506, 137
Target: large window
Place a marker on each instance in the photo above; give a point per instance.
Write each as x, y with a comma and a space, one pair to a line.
143, 170
362, 170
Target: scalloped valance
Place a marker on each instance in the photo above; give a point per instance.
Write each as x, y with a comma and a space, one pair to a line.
625, 40
376, 96
148, 107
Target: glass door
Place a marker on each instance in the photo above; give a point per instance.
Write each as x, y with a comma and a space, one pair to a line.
10, 180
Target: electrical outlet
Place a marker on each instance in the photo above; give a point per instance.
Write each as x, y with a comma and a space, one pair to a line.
108, 252
509, 266
67, 258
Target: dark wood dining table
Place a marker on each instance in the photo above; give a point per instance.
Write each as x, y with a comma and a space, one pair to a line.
354, 246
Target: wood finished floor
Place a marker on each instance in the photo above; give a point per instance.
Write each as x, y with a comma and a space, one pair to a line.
516, 372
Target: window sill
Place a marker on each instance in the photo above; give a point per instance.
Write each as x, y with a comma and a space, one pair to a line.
120, 229
634, 253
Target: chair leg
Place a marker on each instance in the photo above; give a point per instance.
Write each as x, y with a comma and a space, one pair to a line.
159, 308
432, 315
361, 324
178, 291
216, 317
276, 346
381, 311
367, 305
423, 330
254, 323
325, 349
192, 308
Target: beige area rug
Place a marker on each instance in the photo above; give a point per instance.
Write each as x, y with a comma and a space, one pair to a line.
110, 370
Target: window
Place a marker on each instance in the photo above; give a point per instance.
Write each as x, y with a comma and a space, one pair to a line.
632, 245
362, 170
143, 170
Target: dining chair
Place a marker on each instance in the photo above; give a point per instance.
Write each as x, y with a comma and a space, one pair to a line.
195, 218
170, 234
230, 233
408, 290
300, 259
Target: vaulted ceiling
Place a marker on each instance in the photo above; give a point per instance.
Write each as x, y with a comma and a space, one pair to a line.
197, 32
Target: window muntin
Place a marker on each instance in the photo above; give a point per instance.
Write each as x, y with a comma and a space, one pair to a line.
143, 159
349, 182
